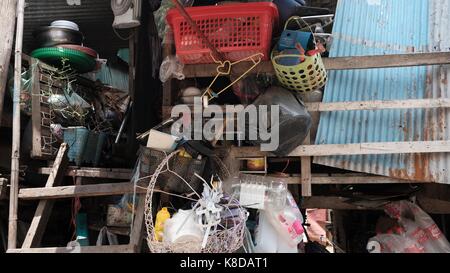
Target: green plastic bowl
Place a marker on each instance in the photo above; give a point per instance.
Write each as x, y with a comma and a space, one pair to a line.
77, 60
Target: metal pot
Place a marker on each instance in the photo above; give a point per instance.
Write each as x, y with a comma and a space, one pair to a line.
51, 36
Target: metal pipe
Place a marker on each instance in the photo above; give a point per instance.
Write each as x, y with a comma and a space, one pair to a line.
15, 153
124, 122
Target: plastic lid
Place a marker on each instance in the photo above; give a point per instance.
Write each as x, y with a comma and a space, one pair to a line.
65, 24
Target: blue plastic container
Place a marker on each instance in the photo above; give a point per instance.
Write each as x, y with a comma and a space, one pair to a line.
289, 38
82, 229
84, 146
76, 138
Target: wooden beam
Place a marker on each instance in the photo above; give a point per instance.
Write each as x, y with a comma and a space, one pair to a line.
83, 249
385, 61
3, 188
377, 105
371, 148
78, 191
138, 224
7, 24
306, 171
36, 151
119, 174
430, 205
354, 105
15, 150
123, 188
338, 179
340, 63
43, 211
434, 206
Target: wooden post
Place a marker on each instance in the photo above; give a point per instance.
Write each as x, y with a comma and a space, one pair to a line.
306, 171
44, 209
36, 150
15, 153
7, 23
138, 224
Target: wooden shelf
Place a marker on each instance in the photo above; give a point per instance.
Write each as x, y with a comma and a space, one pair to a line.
110, 173
341, 63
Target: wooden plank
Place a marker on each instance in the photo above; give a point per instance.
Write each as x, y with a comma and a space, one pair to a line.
373, 148
357, 105
43, 211
15, 150
3, 188
341, 63
357, 149
346, 179
119, 174
338, 179
78, 191
7, 23
333, 202
434, 206
123, 188
84, 249
138, 225
168, 86
378, 105
385, 61
36, 113
306, 171
430, 205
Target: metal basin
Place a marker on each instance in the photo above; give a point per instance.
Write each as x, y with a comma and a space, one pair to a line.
51, 36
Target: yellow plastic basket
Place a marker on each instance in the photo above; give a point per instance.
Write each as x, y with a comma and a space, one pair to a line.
307, 76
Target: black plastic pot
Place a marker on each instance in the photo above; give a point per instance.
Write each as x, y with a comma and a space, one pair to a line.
52, 36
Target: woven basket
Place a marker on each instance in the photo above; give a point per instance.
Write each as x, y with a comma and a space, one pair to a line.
302, 77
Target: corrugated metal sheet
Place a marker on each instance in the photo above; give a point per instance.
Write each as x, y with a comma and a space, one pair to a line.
114, 76
94, 18
377, 27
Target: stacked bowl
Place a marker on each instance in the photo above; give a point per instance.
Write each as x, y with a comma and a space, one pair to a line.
61, 44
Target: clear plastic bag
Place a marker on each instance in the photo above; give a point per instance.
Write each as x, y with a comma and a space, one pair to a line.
288, 221
393, 243
419, 232
25, 92
171, 67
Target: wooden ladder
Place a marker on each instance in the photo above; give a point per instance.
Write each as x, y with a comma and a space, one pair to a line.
47, 196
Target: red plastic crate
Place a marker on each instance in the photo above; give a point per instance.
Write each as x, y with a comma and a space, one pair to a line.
237, 30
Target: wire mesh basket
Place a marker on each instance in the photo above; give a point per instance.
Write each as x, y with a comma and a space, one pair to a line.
227, 239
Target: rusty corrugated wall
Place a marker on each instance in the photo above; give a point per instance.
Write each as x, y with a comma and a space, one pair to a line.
378, 27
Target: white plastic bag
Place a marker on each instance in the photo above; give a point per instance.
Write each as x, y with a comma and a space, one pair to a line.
419, 232
105, 233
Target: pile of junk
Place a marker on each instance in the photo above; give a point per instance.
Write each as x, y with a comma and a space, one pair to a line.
245, 209
78, 105
194, 202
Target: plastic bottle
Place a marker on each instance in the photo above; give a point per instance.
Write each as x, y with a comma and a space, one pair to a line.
161, 217
260, 192
288, 221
